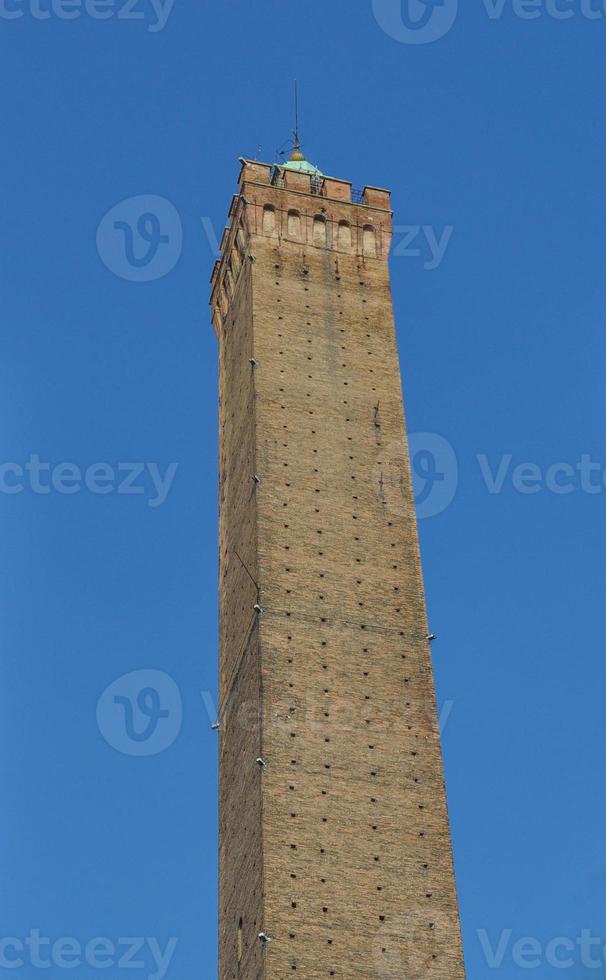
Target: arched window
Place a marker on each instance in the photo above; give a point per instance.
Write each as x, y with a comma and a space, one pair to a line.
269, 219
320, 230
294, 224
369, 241
344, 235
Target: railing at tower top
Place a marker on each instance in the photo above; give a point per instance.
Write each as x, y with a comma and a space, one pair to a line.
317, 185
317, 182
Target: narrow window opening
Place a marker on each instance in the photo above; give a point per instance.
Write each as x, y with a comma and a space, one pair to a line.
369, 241
320, 230
294, 224
269, 219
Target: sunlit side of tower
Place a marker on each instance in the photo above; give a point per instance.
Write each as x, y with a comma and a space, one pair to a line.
335, 852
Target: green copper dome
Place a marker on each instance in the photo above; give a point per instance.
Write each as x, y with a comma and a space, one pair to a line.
302, 167
298, 162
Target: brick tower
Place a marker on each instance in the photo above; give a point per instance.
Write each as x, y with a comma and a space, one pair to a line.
335, 853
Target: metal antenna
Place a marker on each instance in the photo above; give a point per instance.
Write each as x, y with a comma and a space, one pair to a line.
297, 144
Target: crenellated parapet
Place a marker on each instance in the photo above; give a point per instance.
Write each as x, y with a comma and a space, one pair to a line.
311, 209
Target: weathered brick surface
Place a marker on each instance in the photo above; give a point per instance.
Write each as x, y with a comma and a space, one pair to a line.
339, 850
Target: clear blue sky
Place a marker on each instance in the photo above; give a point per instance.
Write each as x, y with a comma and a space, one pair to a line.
495, 131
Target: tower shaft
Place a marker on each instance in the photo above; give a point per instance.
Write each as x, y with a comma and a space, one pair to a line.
334, 837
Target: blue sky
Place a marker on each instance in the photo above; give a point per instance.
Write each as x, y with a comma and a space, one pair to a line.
491, 135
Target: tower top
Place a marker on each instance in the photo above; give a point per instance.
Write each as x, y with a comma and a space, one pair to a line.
297, 161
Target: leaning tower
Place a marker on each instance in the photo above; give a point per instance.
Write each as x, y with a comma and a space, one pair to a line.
335, 852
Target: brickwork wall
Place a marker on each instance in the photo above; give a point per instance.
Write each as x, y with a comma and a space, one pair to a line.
240, 824
349, 817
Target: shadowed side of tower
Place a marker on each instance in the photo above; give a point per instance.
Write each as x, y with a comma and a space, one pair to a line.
335, 849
